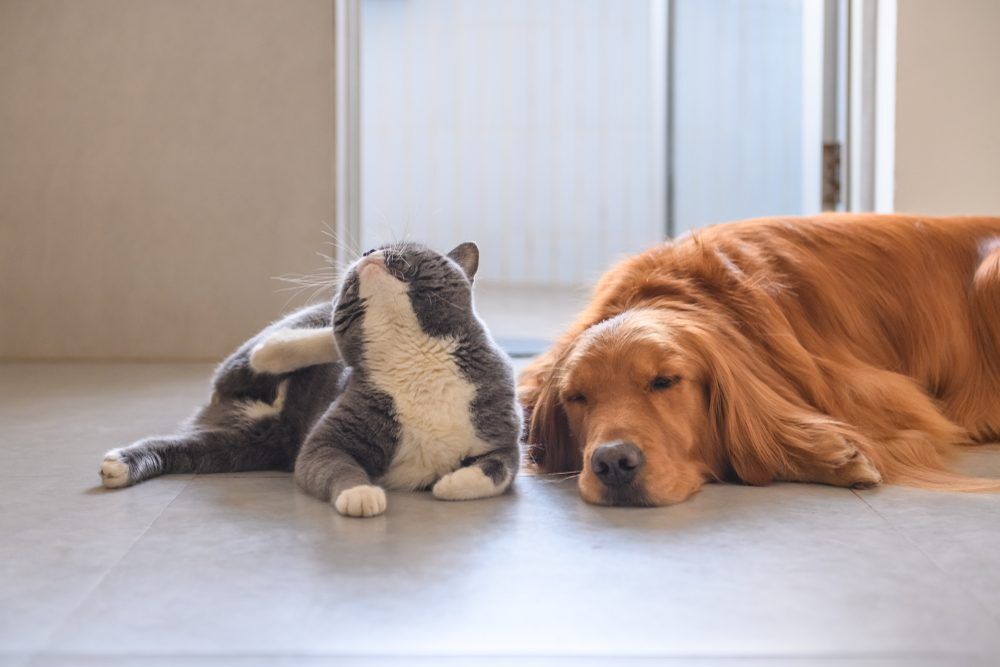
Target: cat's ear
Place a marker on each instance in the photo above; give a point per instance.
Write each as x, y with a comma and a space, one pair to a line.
467, 256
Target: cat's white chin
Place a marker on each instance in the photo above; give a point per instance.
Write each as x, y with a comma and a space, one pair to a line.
466, 484
363, 500
114, 470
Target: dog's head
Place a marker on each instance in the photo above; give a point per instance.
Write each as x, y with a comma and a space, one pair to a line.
650, 404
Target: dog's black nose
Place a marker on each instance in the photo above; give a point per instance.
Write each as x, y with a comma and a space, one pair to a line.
617, 463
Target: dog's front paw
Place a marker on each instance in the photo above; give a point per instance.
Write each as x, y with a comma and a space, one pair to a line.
465, 484
114, 470
361, 500
860, 472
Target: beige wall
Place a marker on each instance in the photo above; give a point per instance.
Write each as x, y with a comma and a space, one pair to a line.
948, 106
160, 161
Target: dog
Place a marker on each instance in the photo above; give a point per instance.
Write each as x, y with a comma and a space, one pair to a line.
843, 349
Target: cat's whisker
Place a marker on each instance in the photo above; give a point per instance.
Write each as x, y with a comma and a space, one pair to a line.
311, 279
323, 278
318, 291
353, 249
331, 263
557, 478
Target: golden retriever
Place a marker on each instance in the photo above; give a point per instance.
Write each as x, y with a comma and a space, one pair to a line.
842, 349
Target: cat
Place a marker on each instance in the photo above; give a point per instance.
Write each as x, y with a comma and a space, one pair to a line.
399, 385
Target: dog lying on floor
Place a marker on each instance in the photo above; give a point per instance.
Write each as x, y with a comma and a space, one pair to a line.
849, 350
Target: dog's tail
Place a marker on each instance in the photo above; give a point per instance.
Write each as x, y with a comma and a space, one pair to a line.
913, 458
934, 474
944, 480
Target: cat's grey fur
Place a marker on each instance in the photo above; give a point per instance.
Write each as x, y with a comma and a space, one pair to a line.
342, 426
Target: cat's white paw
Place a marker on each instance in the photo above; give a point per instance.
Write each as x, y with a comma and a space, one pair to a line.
274, 355
114, 470
362, 500
289, 350
465, 484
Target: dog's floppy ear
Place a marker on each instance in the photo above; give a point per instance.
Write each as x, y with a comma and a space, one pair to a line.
551, 447
466, 255
765, 429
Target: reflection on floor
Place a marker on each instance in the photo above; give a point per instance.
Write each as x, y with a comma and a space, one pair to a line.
246, 570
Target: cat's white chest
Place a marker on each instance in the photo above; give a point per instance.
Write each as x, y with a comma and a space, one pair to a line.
431, 396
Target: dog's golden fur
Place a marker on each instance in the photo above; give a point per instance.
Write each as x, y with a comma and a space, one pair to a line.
841, 349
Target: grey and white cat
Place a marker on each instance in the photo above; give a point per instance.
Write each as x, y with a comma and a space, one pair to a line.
400, 387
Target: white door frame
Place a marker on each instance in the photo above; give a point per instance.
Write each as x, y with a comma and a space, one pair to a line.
347, 127
871, 102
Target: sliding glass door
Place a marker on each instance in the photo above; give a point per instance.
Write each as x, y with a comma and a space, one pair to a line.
561, 135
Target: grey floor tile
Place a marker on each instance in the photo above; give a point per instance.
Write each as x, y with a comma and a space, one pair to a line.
59, 542
246, 570
61, 531
787, 570
59, 419
959, 532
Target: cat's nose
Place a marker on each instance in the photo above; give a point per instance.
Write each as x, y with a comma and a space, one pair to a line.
374, 259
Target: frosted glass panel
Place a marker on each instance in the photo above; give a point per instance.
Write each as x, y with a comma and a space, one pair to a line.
536, 129
739, 83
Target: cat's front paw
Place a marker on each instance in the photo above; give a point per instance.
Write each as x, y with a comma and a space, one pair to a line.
273, 355
114, 470
465, 484
361, 500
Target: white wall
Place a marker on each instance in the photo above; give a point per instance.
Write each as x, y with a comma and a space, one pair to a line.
947, 154
160, 161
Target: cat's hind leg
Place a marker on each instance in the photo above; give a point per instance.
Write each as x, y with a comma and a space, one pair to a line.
482, 476
197, 451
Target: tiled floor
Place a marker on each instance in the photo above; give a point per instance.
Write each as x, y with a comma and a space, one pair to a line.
246, 570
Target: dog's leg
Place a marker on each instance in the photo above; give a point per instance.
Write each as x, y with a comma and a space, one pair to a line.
905, 438
832, 455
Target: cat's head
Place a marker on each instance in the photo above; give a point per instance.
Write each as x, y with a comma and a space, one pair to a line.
399, 283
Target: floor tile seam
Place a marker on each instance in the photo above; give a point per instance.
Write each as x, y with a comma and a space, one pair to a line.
951, 577
707, 655
46, 643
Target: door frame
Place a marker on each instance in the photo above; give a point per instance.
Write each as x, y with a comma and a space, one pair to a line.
347, 127
871, 105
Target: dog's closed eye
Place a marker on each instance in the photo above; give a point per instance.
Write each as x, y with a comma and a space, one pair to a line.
661, 382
